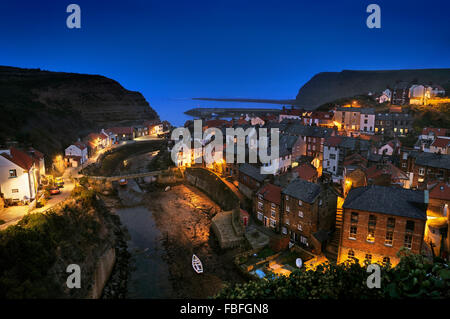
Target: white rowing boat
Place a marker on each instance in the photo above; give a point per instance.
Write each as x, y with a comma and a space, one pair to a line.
197, 264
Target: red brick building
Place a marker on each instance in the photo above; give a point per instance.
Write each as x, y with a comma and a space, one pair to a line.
379, 220
267, 206
306, 209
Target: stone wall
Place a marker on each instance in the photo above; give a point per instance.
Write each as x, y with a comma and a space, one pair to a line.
213, 186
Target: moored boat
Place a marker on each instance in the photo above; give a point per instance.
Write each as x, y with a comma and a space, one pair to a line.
197, 264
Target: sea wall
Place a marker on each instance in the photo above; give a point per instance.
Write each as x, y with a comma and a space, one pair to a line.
213, 186
102, 273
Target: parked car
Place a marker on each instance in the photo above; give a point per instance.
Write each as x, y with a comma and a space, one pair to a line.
123, 182
59, 182
55, 191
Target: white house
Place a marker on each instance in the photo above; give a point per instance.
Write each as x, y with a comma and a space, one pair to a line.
18, 175
78, 150
331, 156
385, 96
367, 121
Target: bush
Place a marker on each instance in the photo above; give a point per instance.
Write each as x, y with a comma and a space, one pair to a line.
413, 277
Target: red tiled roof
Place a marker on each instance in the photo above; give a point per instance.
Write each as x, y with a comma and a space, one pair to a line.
306, 171
355, 158
389, 169
435, 130
19, 158
216, 123
271, 193
121, 130
440, 191
333, 141
441, 142
80, 145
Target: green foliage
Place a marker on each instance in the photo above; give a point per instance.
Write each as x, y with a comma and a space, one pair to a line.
413, 277
29, 250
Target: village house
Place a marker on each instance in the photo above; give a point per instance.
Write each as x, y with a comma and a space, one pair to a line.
400, 94
154, 127
348, 118
250, 179
18, 176
367, 121
426, 167
390, 148
308, 208
288, 148
439, 199
124, 133
289, 114
267, 206
311, 141
427, 138
440, 145
337, 148
386, 174
393, 124
140, 130
379, 220
306, 172
76, 154
385, 96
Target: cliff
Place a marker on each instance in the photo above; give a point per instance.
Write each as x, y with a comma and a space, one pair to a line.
36, 252
52, 109
326, 87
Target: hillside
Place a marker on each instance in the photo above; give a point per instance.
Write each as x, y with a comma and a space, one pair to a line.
325, 87
51, 109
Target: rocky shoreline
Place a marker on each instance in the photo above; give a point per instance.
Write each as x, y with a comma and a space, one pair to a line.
117, 285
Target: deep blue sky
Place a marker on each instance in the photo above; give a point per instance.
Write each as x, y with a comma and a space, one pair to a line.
173, 50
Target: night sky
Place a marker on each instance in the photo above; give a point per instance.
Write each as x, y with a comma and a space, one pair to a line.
171, 51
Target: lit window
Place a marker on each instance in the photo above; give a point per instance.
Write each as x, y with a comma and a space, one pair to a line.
287, 221
299, 227
300, 203
389, 238
260, 216
421, 171
351, 254
287, 209
273, 212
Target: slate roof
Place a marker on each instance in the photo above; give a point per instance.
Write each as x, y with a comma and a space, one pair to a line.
252, 171
363, 110
286, 144
432, 159
306, 130
388, 200
303, 190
